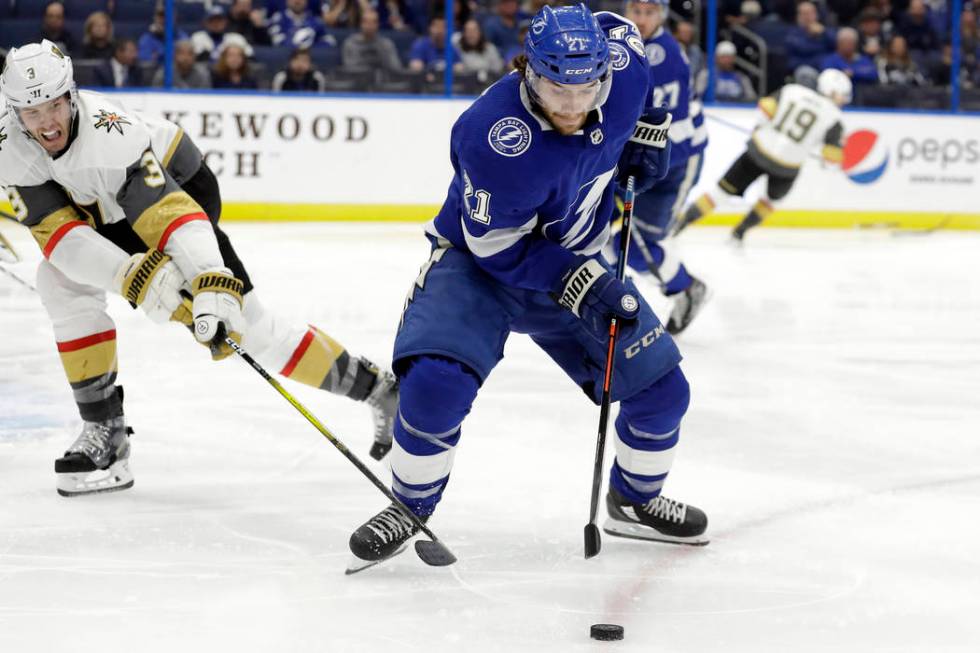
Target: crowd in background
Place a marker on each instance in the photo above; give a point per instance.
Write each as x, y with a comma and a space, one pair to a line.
399, 45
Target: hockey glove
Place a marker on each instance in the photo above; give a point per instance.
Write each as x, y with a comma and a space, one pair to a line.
646, 155
152, 282
217, 310
589, 291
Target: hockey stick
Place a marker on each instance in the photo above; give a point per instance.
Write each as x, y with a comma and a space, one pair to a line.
434, 552
593, 541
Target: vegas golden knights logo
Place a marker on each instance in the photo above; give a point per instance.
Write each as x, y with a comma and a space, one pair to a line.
110, 121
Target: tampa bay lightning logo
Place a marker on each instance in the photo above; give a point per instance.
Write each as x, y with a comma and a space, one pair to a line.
655, 54
538, 26
618, 57
510, 137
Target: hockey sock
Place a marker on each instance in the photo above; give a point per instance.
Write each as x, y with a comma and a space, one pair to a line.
90, 364
436, 395
647, 431
322, 362
761, 210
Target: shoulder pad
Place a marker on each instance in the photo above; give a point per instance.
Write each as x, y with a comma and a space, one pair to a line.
111, 135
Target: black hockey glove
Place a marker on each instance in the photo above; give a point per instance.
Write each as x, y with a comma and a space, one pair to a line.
646, 155
592, 293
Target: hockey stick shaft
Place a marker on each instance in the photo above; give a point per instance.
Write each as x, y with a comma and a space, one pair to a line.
593, 541
340, 446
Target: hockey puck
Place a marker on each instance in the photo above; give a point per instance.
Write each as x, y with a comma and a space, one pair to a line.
607, 632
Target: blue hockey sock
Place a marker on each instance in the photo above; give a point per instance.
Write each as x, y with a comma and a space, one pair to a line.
647, 431
679, 282
435, 397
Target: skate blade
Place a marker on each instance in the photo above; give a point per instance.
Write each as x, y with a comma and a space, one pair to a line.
639, 532
116, 478
356, 564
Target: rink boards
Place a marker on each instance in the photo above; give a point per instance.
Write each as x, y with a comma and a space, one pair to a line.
360, 158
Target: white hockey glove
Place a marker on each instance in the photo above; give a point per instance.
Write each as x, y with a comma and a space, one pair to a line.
217, 310
152, 282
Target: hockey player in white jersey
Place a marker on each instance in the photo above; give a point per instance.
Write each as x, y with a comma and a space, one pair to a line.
797, 121
124, 203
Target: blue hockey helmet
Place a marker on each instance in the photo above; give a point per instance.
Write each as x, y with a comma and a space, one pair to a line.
566, 46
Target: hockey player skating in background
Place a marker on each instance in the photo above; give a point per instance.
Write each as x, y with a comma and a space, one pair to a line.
516, 249
654, 210
797, 121
124, 203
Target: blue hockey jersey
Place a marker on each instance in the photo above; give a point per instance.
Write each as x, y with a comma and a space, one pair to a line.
670, 84
525, 200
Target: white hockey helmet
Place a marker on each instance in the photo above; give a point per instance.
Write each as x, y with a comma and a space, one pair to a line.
37, 73
833, 82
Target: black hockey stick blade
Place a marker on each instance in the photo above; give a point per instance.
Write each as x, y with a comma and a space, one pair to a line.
593, 541
434, 553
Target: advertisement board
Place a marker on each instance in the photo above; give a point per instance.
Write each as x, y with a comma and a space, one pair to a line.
374, 158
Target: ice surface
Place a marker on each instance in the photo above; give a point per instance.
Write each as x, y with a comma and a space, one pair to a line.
833, 439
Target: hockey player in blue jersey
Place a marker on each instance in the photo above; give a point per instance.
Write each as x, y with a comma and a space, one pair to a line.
516, 249
654, 210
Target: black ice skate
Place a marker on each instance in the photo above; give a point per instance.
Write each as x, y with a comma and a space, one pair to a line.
687, 305
382, 537
98, 461
659, 520
383, 401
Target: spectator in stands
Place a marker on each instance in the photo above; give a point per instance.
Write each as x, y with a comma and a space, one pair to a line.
298, 27
215, 33
809, 42
969, 42
151, 44
917, 30
476, 53
887, 13
122, 70
369, 50
244, 19
341, 13
462, 11
869, 32
53, 27
895, 65
97, 40
684, 33
232, 69
299, 75
393, 14
731, 85
859, 67
428, 53
188, 73
517, 49
502, 27
940, 68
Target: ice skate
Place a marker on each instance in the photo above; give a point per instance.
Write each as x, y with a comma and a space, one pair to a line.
687, 304
98, 460
383, 401
382, 537
660, 520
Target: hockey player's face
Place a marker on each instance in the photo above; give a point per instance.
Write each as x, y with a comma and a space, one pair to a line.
567, 105
648, 17
49, 123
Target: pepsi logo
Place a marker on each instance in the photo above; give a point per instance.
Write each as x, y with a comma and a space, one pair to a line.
865, 157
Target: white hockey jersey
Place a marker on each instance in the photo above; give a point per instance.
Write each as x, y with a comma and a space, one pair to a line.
799, 120
119, 165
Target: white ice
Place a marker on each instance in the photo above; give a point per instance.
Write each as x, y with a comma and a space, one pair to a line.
833, 439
